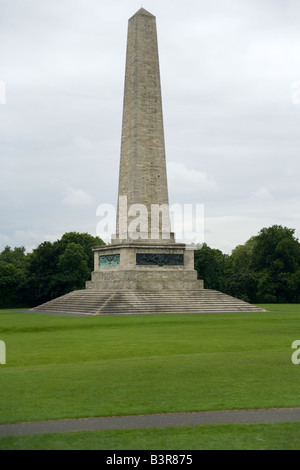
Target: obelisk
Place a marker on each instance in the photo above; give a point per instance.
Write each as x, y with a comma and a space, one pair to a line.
143, 175
143, 253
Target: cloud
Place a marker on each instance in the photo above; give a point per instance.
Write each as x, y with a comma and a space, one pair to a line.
26, 238
188, 180
83, 144
261, 194
231, 114
77, 197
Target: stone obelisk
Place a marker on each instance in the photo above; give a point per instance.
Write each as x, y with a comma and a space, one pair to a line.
143, 253
143, 175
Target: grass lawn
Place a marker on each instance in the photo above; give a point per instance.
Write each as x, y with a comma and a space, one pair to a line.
275, 436
68, 367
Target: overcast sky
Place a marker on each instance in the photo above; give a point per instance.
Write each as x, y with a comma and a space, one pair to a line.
230, 75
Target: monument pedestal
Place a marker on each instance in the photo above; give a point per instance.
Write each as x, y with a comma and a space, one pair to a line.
145, 266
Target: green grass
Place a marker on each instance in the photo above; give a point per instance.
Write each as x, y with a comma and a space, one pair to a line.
279, 436
69, 367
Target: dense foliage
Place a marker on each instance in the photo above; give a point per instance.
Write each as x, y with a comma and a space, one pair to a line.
265, 269
51, 270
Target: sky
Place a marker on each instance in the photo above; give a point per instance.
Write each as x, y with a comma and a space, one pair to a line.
230, 77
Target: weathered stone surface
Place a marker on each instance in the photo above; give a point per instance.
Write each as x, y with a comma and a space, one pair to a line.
135, 302
130, 274
143, 175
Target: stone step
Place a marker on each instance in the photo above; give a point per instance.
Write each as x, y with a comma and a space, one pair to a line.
93, 302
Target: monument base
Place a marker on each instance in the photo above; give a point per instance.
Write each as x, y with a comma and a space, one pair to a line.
141, 266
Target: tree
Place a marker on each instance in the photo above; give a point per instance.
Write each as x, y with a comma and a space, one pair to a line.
240, 281
15, 256
12, 277
50, 266
43, 283
86, 241
265, 269
210, 266
73, 267
276, 263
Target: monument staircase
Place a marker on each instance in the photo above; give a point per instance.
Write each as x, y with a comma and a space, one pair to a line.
94, 302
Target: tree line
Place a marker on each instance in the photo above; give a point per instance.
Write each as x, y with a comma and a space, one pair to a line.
266, 269
51, 270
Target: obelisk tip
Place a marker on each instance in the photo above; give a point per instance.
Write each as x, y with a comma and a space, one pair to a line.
143, 12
